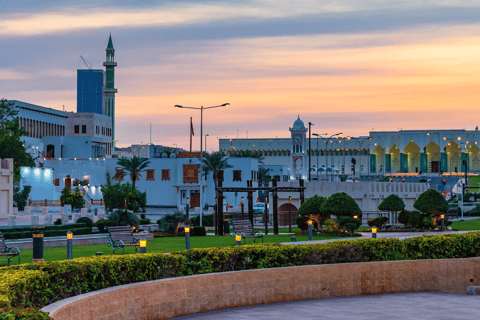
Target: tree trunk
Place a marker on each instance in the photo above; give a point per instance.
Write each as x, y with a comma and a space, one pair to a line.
133, 178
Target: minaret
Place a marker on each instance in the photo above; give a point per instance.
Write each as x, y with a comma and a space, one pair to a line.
109, 90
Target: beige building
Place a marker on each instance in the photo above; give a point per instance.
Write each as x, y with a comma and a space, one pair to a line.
6, 187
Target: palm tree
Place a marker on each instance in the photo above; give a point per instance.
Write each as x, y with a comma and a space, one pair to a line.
215, 162
133, 167
263, 175
249, 154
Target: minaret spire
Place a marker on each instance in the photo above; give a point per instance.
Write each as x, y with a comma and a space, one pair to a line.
109, 90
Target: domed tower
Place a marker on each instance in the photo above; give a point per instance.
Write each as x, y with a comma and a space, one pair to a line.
298, 160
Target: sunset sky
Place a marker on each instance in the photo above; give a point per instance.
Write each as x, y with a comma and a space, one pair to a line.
347, 66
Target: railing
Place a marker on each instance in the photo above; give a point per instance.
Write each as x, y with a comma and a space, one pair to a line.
93, 202
44, 203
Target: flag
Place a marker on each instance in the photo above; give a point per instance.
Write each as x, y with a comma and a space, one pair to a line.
191, 128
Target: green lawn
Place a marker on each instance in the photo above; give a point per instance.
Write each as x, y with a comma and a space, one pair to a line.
466, 225
168, 244
474, 181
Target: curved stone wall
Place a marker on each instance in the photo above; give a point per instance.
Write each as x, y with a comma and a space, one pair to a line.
168, 298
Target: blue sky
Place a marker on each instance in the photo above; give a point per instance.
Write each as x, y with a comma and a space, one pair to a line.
346, 66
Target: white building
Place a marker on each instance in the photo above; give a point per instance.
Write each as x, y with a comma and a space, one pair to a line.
167, 181
6, 187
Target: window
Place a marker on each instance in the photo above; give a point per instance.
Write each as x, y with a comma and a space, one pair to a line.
84, 129
150, 175
237, 175
119, 174
190, 173
77, 129
165, 174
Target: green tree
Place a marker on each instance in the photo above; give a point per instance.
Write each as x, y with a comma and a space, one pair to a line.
340, 204
263, 175
11, 144
431, 202
20, 198
392, 203
114, 196
171, 222
311, 209
133, 167
75, 199
215, 162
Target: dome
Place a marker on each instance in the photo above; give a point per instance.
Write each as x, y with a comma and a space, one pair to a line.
298, 124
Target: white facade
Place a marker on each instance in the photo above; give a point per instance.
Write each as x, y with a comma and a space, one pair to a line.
173, 190
6, 187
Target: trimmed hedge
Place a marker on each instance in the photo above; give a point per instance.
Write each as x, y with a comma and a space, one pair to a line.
47, 233
27, 313
37, 285
57, 227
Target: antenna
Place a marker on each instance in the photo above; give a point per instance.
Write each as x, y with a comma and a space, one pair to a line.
88, 64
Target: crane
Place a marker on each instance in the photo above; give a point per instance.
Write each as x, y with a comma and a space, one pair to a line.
88, 64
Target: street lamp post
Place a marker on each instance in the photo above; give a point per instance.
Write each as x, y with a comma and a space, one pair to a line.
361, 151
326, 156
206, 135
310, 151
201, 149
318, 135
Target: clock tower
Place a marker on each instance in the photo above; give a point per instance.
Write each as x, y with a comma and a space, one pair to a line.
298, 160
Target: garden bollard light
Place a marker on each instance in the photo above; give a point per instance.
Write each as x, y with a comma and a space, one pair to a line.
187, 207
374, 232
143, 245
443, 223
38, 244
310, 227
242, 207
238, 239
293, 239
355, 217
69, 245
187, 237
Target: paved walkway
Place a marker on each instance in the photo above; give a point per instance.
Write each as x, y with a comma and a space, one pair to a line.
396, 306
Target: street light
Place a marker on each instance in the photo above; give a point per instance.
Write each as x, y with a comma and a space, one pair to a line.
326, 156
201, 149
360, 146
206, 135
318, 135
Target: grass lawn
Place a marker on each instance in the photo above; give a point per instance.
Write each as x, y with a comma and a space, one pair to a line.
474, 181
466, 225
270, 230
167, 244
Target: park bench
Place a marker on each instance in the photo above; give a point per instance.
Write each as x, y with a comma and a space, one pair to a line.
8, 252
121, 237
245, 229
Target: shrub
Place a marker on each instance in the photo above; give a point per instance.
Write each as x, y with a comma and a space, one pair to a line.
85, 220
58, 222
302, 223
331, 226
124, 218
27, 313
415, 219
114, 196
310, 209
403, 217
102, 223
20, 198
171, 222
377, 222
206, 221
144, 221
198, 231
75, 199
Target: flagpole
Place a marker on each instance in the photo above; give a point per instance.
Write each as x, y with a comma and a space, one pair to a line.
191, 126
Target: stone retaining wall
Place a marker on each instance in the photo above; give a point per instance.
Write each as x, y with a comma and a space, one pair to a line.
164, 299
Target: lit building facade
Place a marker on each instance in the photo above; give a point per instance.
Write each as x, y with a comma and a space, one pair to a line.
380, 153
